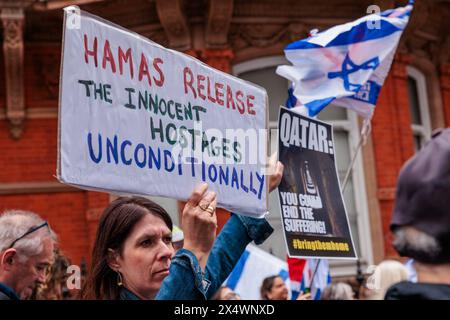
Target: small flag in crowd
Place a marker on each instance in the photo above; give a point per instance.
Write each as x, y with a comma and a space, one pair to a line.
296, 267
347, 64
253, 266
311, 274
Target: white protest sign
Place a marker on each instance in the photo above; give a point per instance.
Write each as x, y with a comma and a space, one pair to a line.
137, 118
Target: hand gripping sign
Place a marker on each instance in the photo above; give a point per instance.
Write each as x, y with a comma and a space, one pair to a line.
137, 118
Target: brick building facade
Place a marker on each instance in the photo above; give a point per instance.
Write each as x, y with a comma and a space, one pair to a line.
240, 37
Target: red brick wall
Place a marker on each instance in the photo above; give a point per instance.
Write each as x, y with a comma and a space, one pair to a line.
33, 156
392, 140
41, 75
65, 213
392, 136
96, 202
2, 82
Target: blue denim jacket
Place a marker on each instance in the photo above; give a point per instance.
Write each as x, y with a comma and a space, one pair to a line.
187, 281
7, 293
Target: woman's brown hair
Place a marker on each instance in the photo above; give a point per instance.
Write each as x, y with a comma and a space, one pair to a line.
116, 223
266, 286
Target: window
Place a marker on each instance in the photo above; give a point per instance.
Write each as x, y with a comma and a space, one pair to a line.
346, 137
418, 107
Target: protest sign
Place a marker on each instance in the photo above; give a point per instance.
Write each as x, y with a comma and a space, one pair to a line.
313, 212
137, 118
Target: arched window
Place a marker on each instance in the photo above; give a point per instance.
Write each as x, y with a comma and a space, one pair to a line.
346, 134
418, 107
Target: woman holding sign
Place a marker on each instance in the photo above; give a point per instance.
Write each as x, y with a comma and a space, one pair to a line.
133, 256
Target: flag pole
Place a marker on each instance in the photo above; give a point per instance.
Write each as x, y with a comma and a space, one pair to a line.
314, 274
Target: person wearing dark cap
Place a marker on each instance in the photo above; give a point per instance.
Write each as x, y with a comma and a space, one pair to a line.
421, 221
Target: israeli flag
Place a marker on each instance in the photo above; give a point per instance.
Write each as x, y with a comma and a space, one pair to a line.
316, 276
254, 265
346, 64
312, 274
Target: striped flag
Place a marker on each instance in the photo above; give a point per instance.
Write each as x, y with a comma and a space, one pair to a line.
296, 267
312, 274
347, 64
253, 266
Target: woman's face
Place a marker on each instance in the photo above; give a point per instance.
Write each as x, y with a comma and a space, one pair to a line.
146, 256
279, 290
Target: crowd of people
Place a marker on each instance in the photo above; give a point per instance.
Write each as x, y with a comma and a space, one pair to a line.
134, 256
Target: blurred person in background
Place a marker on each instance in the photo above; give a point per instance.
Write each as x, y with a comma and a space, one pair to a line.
225, 293
26, 253
386, 274
338, 291
55, 286
274, 288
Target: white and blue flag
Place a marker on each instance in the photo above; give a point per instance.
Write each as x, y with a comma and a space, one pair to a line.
316, 276
347, 64
311, 275
254, 265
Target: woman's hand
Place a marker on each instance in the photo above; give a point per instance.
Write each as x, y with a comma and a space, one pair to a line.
199, 222
304, 296
276, 172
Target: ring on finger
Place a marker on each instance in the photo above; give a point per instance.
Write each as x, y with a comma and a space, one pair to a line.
204, 207
210, 209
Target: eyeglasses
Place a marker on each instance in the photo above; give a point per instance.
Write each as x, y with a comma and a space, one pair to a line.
33, 229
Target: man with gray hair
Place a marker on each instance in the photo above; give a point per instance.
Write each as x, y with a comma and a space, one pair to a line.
26, 252
421, 221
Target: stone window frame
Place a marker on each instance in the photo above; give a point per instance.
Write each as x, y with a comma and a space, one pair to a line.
422, 130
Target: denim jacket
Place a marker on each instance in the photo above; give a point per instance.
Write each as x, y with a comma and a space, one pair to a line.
7, 293
187, 281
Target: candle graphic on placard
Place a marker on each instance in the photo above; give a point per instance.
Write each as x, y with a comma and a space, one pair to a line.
311, 188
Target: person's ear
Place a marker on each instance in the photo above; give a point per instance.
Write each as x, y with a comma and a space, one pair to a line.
8, 259
113, 260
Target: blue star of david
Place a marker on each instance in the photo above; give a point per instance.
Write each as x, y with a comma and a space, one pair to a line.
349, 67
